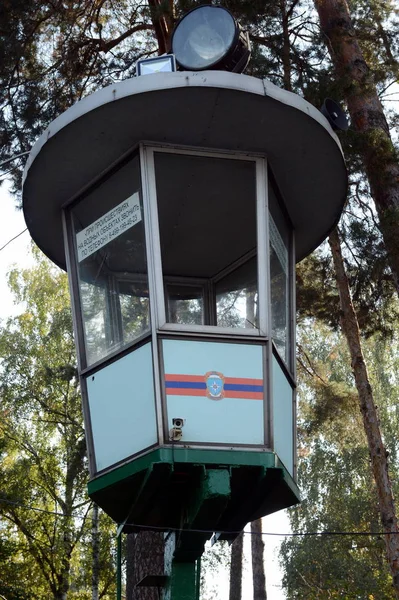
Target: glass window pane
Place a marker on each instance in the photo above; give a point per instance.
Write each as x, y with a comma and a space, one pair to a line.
207, 222
279, 277
93, 302
237, 298
112, 264
185, 304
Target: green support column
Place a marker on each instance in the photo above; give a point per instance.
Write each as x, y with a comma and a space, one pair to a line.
182, 576
183, 582
183, 549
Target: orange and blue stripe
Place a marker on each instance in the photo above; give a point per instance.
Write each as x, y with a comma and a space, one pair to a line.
195, 385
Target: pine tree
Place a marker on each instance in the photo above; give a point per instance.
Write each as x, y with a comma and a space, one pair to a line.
258, 566
235, 590
378, 453
374, 143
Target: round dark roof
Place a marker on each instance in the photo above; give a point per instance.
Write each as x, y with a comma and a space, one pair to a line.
210, 109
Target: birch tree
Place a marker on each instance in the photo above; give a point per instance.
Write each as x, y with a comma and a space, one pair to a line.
44, 508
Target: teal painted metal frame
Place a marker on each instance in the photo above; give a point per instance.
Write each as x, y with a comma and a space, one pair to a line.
194, 456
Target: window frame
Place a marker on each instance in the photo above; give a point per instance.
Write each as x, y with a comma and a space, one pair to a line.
149, 191
72, 264
288, 365
193, 282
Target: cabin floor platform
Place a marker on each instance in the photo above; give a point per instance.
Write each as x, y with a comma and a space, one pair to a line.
195, 492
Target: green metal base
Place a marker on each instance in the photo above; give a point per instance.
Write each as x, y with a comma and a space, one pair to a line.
186, 489
183, 578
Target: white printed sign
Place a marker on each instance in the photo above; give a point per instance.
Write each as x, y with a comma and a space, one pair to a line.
108, 227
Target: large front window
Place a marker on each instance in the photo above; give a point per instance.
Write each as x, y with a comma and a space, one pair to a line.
208, 239
110, 250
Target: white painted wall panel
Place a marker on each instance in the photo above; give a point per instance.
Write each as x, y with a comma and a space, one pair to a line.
283, 417
235, 418
122, 407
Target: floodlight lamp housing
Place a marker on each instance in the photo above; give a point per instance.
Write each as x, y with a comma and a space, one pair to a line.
334, 115
165, 63
209, 38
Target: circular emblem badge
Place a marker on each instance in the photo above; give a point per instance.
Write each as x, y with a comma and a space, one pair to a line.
214, 385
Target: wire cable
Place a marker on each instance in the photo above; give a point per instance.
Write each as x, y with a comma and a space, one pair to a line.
42, 510
210, 531
5, 162
290, 534
14, 238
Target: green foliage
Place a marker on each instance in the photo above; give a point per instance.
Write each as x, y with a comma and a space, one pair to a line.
13, 581
370, 280
334, 472
316, 293
214, 563
43, 465
54, 54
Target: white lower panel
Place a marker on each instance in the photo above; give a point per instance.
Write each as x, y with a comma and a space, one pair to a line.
230, 421
283, 422
122, 407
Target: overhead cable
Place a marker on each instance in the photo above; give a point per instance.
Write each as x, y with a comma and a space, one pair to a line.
210, 531
8, 160
14, 238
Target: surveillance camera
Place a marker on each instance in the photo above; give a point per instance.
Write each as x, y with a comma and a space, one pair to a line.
176, 433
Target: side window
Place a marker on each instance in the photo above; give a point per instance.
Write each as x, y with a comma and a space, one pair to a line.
279, 236
108, 227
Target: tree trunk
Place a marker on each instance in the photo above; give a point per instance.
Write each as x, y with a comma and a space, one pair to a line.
258, 565
368, 119
378, 454
145, 556
286, 49
95, 548
250, 320
236, 568
162, 17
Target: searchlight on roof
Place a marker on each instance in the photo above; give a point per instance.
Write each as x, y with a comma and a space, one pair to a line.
207, 37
